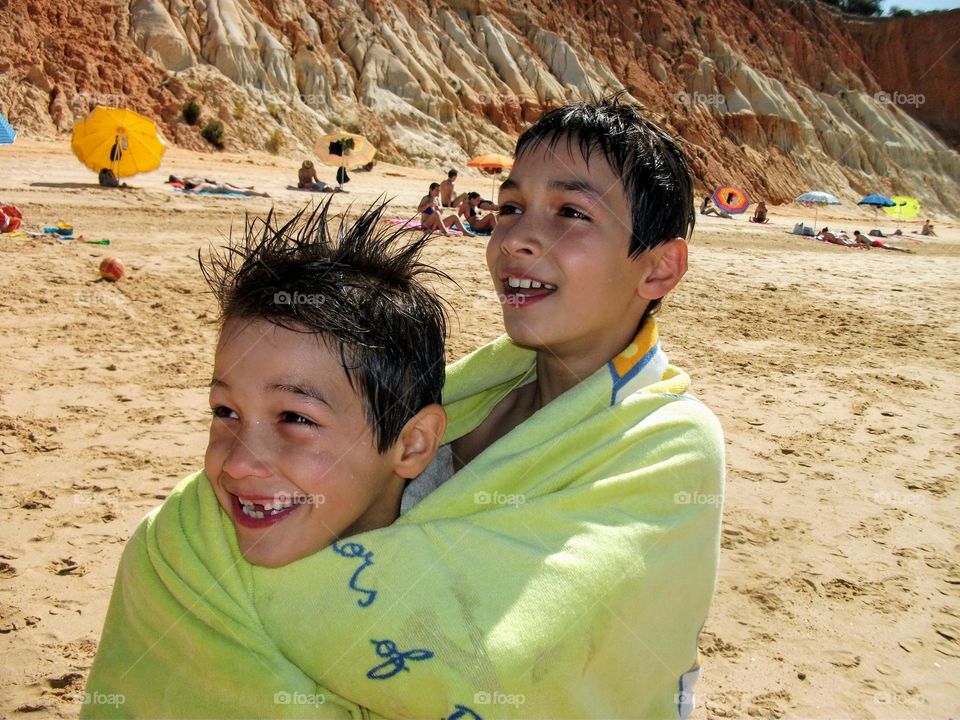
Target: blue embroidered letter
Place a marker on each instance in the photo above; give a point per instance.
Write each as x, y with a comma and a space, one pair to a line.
464, 713
396, 660
356, 550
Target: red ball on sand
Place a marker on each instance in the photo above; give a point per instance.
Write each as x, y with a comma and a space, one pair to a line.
111, 268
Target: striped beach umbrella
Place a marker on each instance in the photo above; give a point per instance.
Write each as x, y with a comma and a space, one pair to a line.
731, 199
816, 199
7, 133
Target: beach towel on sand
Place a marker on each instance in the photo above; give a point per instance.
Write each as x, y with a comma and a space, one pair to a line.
565, 572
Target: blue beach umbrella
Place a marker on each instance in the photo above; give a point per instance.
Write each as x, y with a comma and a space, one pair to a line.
816, 199
877, 201
7, 133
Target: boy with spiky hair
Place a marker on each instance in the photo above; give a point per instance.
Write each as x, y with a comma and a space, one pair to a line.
325, 401
324, 345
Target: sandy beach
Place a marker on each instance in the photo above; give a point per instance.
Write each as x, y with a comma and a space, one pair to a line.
833, 371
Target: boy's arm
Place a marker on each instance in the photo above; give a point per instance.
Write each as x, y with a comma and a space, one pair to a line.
574, 586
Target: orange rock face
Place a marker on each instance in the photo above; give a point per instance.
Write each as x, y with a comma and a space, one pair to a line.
777, 98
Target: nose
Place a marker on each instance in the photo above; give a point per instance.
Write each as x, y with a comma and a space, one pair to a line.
524, 236
247, 455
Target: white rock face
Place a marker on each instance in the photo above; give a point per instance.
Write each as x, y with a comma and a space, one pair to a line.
437, 83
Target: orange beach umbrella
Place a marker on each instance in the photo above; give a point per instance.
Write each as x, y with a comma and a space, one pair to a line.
493, 164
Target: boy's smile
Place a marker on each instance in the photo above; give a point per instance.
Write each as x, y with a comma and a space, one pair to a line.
559, 256
292, 456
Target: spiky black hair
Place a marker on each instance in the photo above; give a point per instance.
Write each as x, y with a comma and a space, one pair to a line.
361, 288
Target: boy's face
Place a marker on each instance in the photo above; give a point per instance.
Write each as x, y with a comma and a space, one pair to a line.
291, 455
566, 225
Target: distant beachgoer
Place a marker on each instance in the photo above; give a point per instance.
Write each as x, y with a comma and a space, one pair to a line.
927, 229
470, 211
707, 208
106, 178
448, 193
760, 214
308, 180
867, 242
826, 236
201, 185
430, 214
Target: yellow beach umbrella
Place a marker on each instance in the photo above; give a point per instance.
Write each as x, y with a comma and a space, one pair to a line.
343, 149
123, 141
905, 208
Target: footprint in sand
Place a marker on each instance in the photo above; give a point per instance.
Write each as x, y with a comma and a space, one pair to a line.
950, 643
67, 566
842, 658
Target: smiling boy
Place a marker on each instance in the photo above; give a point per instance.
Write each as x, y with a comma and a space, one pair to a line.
326, 385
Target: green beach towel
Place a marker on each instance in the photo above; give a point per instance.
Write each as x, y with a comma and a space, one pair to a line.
565, 572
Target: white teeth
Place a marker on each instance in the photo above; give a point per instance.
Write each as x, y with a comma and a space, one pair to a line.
249, 508
525, 283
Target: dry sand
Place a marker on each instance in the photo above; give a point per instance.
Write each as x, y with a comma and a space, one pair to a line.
833, 371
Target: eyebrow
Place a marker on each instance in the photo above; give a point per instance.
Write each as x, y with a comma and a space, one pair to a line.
307, 391
577, 186
303, 389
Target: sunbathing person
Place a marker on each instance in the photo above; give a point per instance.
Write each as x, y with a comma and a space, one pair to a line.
448, 193
760, 214
707, 208
430, 214
307, 179
865, 241
470, 211
927, 229
826, 236
204, 185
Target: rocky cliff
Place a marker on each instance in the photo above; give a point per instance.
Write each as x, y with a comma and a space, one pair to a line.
778, 97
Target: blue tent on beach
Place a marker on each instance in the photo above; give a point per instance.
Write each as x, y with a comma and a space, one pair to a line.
7, 133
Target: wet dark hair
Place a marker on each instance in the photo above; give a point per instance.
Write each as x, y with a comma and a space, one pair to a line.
360, 287
434, 186
472, 195
654, 172
452, 173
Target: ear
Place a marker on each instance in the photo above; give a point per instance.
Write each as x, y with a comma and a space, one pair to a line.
418, 441
665, 265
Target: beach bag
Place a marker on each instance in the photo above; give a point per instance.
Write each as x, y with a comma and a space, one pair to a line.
10, 218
